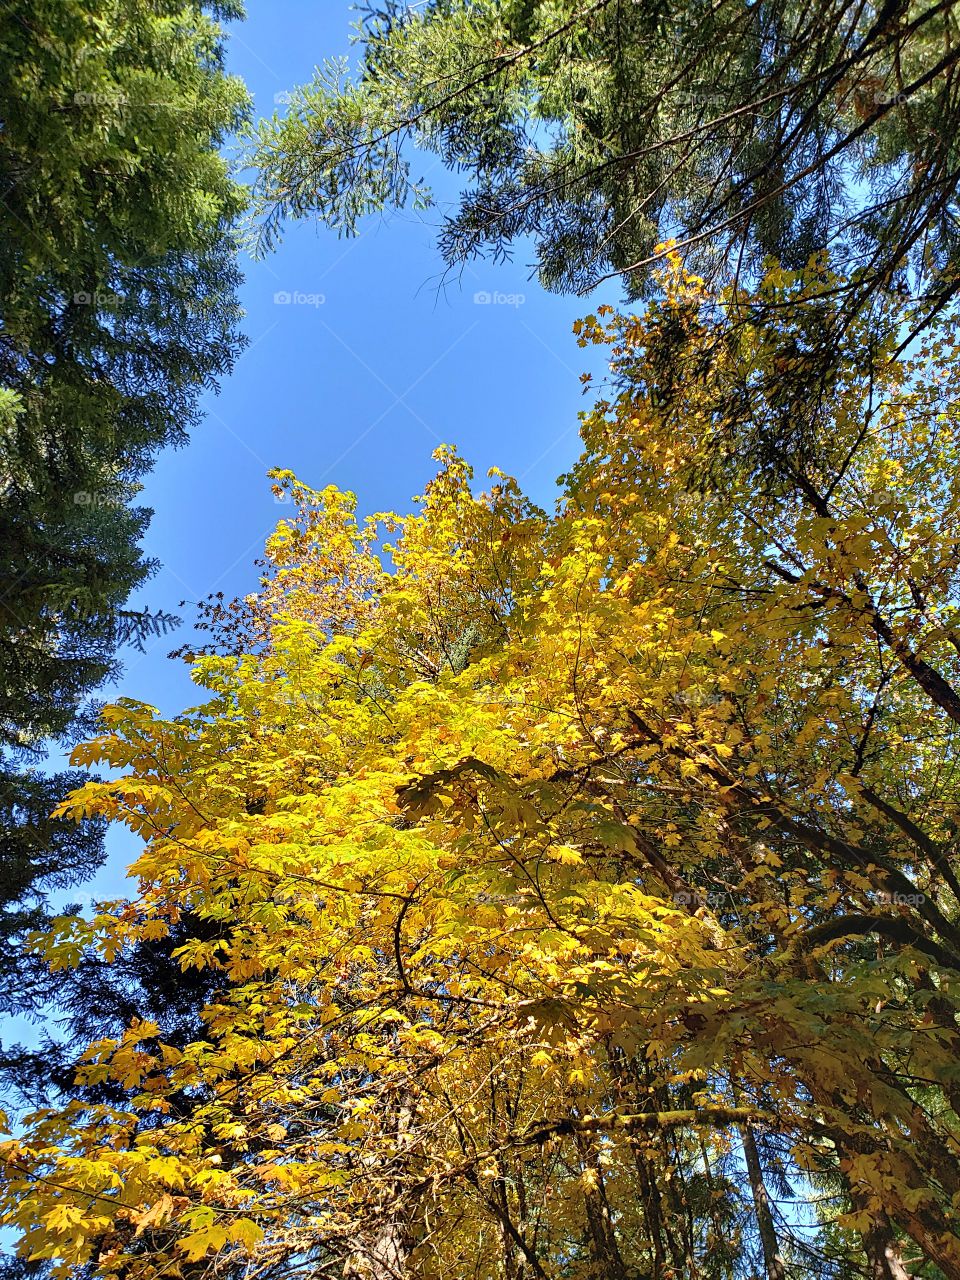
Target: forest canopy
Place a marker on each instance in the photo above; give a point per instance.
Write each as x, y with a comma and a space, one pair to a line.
539, 890
593, 131
118, 309
578, 889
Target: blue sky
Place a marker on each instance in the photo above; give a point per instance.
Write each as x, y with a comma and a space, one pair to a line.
355, 390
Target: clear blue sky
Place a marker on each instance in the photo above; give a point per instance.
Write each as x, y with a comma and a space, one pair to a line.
355, 391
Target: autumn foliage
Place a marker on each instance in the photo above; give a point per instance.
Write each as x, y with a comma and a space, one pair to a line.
583, 886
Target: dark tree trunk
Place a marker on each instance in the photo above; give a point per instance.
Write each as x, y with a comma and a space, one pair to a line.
772, 1257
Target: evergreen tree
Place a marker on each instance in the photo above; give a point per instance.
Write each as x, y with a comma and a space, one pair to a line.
118, 275
600, 129
118, 279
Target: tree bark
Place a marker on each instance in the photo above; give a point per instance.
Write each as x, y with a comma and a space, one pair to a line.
603, 1238
383, 1251
883, 1255
772, 1257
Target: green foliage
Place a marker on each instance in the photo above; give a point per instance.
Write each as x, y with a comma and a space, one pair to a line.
601, 129
37, 854
118, 275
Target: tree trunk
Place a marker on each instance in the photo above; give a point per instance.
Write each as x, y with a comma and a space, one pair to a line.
603, 1239
883, 1255
381, 1253
383, 1257
772, 1258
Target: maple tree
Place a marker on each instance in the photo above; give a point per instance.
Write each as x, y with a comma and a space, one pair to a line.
580, 888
